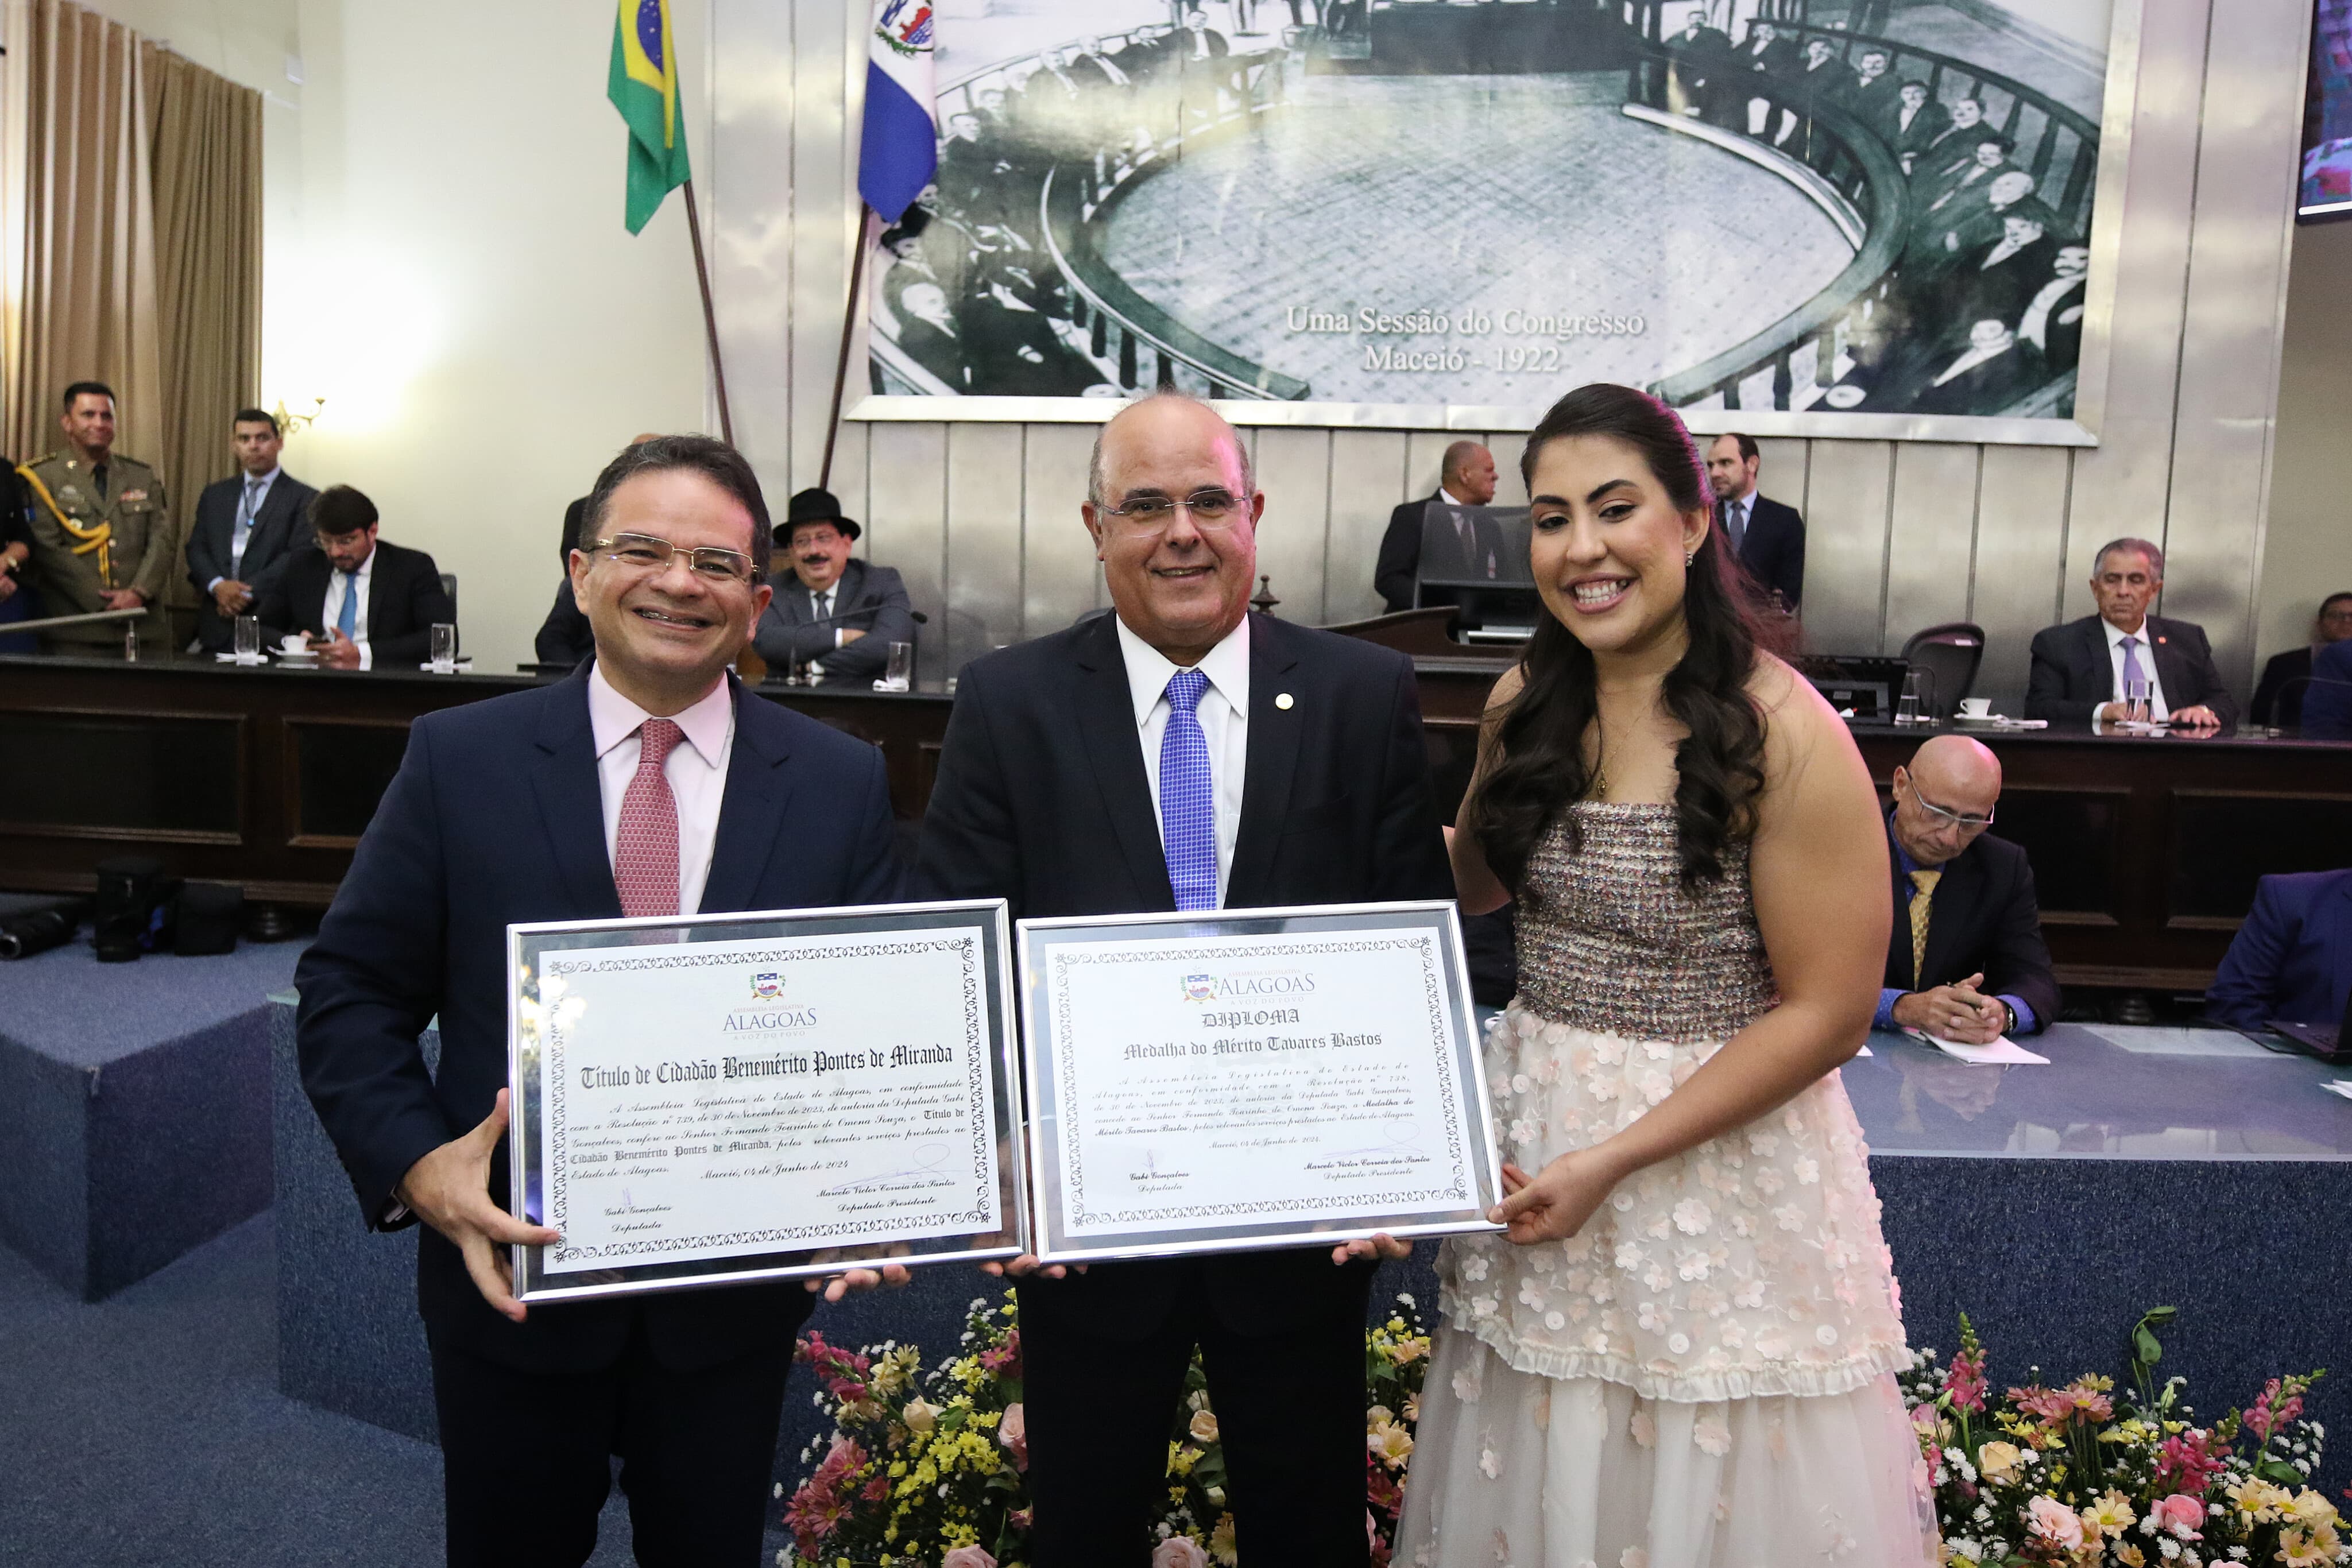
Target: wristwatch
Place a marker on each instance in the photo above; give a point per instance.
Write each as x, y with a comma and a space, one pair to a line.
2009, 1012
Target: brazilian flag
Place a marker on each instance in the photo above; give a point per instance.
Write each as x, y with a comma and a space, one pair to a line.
644, 88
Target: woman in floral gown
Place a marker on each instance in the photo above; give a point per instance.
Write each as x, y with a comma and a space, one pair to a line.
1682, 1354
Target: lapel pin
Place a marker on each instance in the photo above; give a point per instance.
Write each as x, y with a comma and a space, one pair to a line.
1283, 702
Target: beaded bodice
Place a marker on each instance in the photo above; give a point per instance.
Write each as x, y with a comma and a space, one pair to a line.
1609, 941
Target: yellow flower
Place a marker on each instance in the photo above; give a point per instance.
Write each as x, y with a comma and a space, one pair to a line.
1999, 1463
920, 1414
2112, 1513
1390, 1443
2310, 1508
1181, 1459
1412, 1408
2300, 1548
1204, 1426
2130, 1556
1221, 1541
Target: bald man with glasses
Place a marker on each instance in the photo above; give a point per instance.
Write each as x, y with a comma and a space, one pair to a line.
1965, 960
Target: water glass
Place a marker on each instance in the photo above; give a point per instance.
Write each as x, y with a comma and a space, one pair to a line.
249, 639
900, 674
1911, 706
445, 648
2136, 700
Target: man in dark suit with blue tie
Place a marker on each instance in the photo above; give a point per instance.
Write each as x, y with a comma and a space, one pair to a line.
246, 528
2293, 957
647, 784
1767, 538
2082, 671
1182, 753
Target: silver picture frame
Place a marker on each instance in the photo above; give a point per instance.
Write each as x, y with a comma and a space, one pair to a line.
977, 929
1464, 1115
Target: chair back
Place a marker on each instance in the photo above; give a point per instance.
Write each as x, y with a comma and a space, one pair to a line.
449, 587
1950, 654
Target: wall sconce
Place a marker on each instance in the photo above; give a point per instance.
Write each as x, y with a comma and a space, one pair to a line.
288, 424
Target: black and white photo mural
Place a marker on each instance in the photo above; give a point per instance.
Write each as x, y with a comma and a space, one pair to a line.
1826, 207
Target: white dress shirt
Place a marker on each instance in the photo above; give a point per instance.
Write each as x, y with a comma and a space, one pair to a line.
1225, 725
695, 772
340, 583
253, 494
2146, 651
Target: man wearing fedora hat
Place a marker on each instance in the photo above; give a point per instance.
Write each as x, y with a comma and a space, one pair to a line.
835, 613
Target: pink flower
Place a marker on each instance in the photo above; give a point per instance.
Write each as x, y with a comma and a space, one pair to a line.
1005, 1359
2180, 1514
2049, 1406
2053, 1521
1964, 1380
1178, 1552
2270, 1412
1021, 1519
2187, 1463
968, 1557
1013, 1432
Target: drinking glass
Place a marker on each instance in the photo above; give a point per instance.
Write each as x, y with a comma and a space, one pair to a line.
900, 673
445, 648
1911, 708
249, 639
2136, 700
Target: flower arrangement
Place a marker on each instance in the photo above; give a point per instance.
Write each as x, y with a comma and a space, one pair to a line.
928, 1469
2089, 1474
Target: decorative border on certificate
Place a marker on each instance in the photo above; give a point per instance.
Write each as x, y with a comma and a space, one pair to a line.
719, 1099
1251, 1078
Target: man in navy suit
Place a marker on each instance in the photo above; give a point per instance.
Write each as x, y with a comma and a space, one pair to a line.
1055, 791
1768, 538
2293, 957
513, 809
1449, 537
2080, 670
248, 527
358, 600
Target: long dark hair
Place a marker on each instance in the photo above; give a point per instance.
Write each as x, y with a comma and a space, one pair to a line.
1540, 768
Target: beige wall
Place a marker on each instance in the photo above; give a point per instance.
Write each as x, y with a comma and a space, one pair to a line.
2308, 551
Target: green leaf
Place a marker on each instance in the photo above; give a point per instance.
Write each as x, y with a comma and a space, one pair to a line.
2279, 1470
2144, 1347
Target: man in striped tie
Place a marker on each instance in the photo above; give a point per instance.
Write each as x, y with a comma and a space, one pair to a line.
1182, 754
649, 783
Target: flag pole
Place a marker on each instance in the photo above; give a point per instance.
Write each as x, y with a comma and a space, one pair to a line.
848, 330
709, 316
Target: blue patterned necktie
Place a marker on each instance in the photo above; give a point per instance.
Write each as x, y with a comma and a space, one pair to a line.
1188, 812
347, 618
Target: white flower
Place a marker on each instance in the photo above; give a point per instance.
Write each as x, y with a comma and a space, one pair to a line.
1713, 1435
1678, 1342
1609, 1050
1690, 1216
1548, 1070
1764, 1144
1692, 1264
1789, 1216
1656, 1087
1555, 1034
1526, 1130
1632, 1557
1652, 1318
1490, 1462
1467, 1382
1644, 1431
1750, 1294
1531, 1293
1658, 1278
1474, 1267
1483, 1306
1555, 1319
1769, 1181
1522, 1083
1808, 1171
1629, 1256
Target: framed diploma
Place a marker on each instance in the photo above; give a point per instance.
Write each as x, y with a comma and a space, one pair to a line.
717, 1099
1251, 1078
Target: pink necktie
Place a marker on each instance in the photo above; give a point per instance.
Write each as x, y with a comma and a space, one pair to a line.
645, 854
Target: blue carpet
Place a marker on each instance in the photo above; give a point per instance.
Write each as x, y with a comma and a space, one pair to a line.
65, 1005
146, 1429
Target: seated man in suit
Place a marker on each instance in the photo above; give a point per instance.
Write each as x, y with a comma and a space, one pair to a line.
361, 602
648, 784
2278, 695
2293, 957
2080, 670
246, 528
1965, 960
565, 637
1767, 538
1466, 477
839, 614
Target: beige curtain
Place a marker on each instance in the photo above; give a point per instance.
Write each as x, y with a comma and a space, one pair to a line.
139, 247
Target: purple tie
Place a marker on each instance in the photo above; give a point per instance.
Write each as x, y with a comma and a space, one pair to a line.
2132, 671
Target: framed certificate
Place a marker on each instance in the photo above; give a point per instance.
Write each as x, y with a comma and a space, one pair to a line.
1251, 1078
715, 1098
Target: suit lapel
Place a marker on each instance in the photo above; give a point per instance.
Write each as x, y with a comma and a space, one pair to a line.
1106, 728
1273, 733
571, 802
751, 813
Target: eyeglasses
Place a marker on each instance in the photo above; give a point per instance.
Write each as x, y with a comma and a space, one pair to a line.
643, 552
1941, 818
1212, 511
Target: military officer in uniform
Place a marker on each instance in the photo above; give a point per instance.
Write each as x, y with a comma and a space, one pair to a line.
100, 527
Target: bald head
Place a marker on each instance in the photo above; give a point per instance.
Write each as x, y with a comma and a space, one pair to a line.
1950, 777
1173, 512
1468, 473
1156, 420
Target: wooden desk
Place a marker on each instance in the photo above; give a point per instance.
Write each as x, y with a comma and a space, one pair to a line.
2146, 850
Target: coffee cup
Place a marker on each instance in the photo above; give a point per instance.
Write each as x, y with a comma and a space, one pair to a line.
1976, 708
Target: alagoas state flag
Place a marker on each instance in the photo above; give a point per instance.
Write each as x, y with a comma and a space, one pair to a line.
898, 151
642, 86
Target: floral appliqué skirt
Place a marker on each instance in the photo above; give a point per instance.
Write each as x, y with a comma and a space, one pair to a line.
1703, 1378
